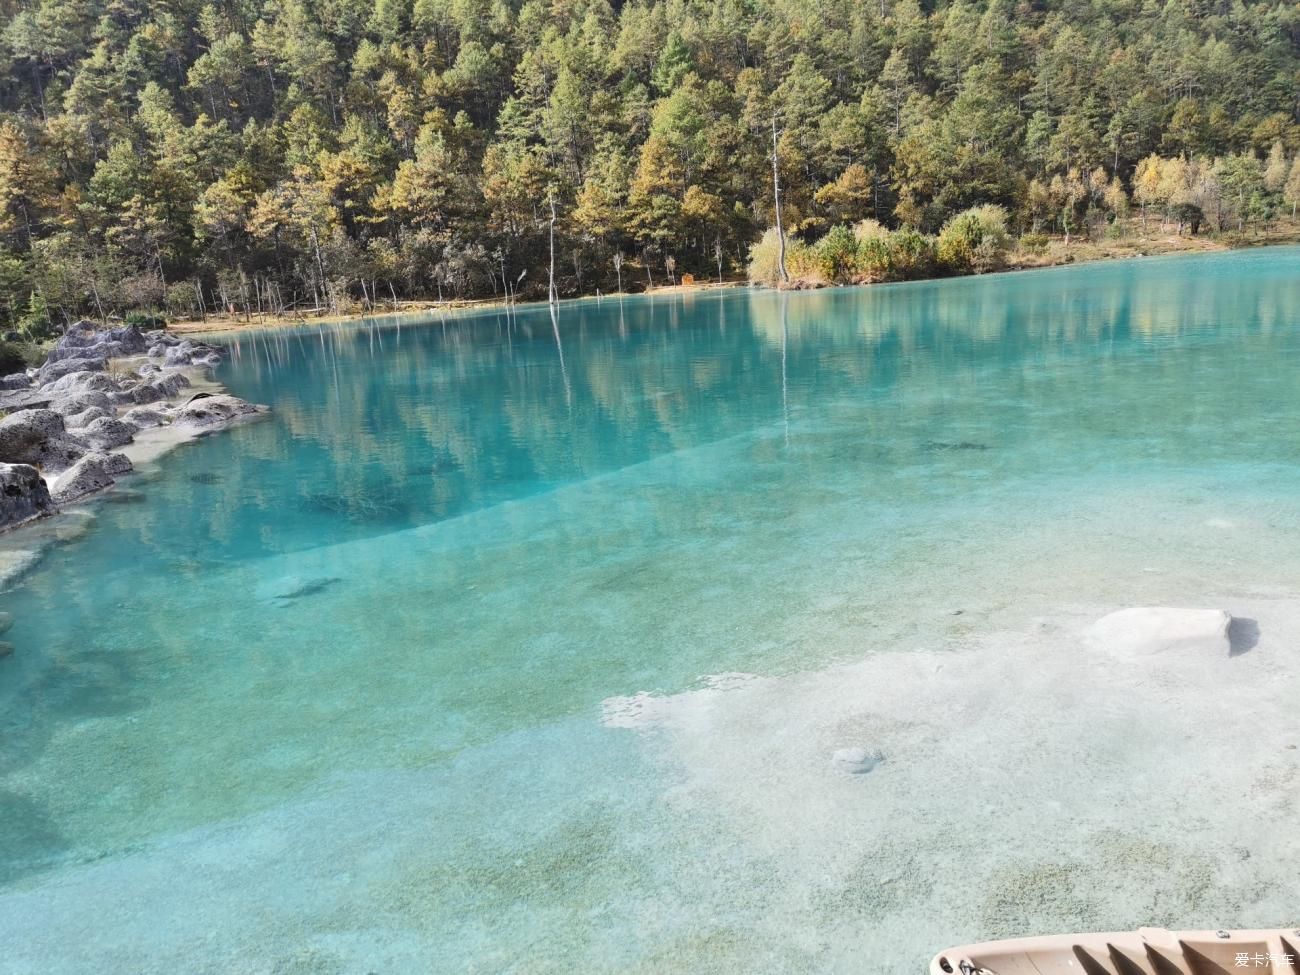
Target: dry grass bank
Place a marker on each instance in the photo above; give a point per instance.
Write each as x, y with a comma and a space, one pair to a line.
1132, 242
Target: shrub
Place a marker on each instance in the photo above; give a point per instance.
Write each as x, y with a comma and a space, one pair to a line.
1188, 214
974, 240
1034, 243
146, 319
865, 230
837, 255
896, 256
801, 262
873, 250
182, 300
911, 254
874, 258
17, 356
35, 324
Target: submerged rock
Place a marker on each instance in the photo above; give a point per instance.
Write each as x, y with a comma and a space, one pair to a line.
14, 562
856, 761
23, 496
92, 473
214, 412
289, 588
39, 438
1146, 630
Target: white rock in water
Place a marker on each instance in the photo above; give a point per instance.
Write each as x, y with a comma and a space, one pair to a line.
14, 562
856, 760
1148, 630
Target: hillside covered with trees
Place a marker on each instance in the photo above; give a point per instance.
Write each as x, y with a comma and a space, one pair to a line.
190, 156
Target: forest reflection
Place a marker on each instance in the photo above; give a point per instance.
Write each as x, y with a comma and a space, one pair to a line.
394, 423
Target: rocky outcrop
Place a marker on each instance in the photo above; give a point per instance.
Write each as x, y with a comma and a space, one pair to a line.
106, 433
63, 416
92, 473
1148, 630
70, 404
215, 412
85, 417
85, 340
24, 399
39, 438
23, 494
145, 417
176, 351
63, 367
82, 382
155, 389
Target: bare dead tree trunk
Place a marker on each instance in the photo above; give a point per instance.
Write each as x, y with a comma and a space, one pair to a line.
776, 198
550, 289
618, 269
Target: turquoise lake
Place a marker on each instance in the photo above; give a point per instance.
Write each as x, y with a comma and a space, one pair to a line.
512, 644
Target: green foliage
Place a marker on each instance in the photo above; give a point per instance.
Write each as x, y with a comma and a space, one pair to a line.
35, 324
146, 319
974, 241
864, 253
801, 261
1032, 243
203, 157
11, 358
18, 356
911, 254
837, 255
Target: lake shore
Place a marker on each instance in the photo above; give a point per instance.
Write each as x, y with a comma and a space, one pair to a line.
734, 617
1056, 254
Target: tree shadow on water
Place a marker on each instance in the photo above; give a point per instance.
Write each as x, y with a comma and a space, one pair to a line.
29, 841
1243, 635
74, 688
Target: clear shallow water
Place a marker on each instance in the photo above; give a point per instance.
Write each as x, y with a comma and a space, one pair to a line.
333, 692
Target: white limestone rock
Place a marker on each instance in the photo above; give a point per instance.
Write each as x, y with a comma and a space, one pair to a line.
39, 438
856, 761
86, 417
23, 495
145, 417
106, 433
1146, 630
92, 473
215, 412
